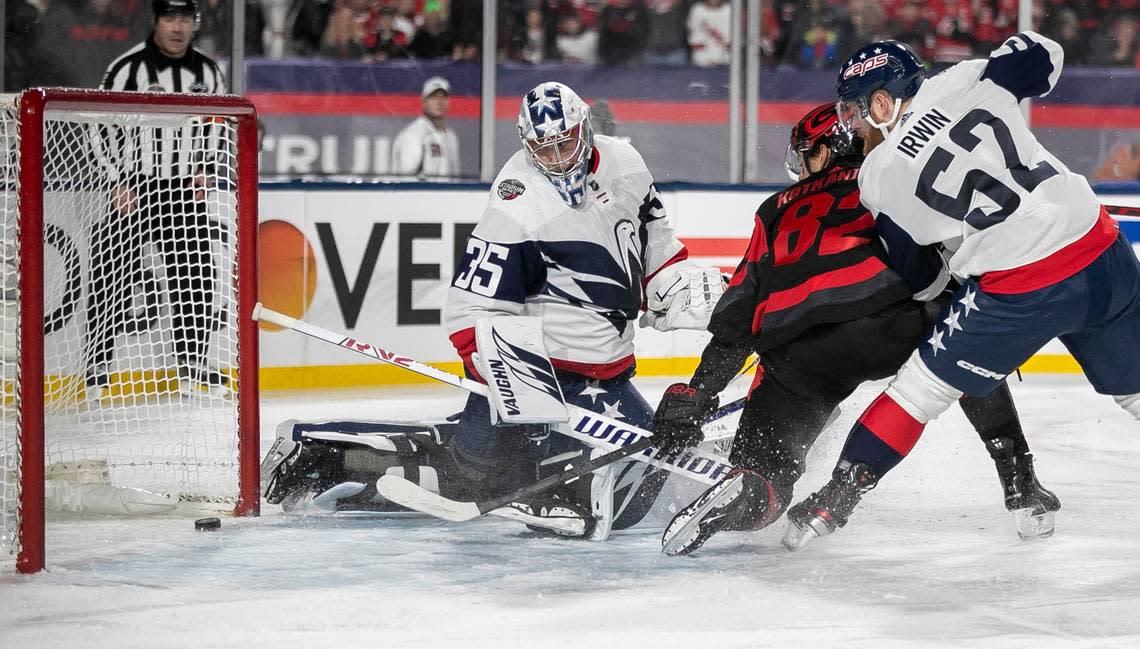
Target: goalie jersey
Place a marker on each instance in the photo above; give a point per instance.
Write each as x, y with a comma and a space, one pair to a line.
581, 270
962, 168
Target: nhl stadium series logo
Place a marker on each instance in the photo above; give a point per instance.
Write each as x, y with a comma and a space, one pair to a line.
510, 189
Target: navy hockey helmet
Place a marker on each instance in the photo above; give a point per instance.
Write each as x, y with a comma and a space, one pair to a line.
887, 65
174, 8
821, 126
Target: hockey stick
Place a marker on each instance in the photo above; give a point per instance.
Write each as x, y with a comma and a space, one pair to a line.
1122, 210
591, 428
411, 495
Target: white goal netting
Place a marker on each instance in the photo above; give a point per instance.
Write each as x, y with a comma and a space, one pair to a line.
139, 300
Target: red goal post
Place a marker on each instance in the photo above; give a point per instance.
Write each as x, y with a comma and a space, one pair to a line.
151, 395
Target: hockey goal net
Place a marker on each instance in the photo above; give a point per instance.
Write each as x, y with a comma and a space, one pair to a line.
128, 248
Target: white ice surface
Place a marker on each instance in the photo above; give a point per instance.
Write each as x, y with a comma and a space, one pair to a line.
930, 560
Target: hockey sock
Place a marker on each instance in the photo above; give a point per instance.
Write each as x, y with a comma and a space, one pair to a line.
882, 436
994, 416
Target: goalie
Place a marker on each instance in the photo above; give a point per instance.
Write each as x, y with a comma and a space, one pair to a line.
576, 240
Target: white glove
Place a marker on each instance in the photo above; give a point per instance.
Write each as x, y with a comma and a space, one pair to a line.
682, 296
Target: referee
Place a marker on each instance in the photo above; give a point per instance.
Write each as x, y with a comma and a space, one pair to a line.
158, 198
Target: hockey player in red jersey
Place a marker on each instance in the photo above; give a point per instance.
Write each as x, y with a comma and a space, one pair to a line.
815, 297
952, 162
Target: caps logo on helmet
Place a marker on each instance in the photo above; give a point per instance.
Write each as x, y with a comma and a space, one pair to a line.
883, 65
863, 67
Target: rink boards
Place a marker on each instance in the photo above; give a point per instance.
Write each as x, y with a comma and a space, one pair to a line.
375, 260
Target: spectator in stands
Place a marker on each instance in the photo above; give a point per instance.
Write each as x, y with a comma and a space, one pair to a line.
784, 20
405, 19
431, 41
79, 40
466, 24
528, 42
666, 42
215, 34
710, 38
1115, 45
953, 29
913, 28
427, 147
586, 10
868, 19
21, 31
821, 36
576, 44
622, 31
1064, 26
309, 26
347, 37
994, 22
391, 43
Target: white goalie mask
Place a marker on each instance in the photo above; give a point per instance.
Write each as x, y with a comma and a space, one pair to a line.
554, 125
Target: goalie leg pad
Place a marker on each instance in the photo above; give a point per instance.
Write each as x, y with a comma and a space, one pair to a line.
309, 459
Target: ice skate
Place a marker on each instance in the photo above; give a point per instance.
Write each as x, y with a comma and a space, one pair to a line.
1031, 504
829, 508
743, 500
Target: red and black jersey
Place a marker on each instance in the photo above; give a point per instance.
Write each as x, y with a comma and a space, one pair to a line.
814, 258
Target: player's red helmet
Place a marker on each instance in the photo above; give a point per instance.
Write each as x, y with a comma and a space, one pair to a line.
820, 126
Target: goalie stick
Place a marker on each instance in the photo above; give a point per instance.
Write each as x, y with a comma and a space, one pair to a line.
411, 495
591, 428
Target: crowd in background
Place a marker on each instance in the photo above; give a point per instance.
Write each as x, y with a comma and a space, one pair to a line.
70, 42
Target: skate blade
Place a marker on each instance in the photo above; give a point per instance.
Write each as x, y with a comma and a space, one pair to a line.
685, 538
796, 537
1032, 525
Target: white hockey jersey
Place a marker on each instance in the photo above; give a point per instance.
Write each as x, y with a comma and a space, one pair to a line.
582, 270
421, 149
963, 169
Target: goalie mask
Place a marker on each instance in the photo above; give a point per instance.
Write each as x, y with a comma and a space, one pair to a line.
821, 126
554, 125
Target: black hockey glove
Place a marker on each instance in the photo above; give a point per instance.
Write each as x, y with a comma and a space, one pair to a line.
677, 422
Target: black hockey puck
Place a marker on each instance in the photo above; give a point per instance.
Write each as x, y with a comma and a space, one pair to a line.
208, 524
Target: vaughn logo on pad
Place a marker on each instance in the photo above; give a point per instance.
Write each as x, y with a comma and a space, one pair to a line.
512, 358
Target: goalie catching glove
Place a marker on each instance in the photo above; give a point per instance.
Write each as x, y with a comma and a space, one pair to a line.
682, 296
677, 422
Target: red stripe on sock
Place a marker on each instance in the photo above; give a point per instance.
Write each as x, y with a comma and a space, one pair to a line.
891, 424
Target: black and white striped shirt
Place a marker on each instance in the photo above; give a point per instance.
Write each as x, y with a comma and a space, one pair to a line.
145, 67
166, 150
